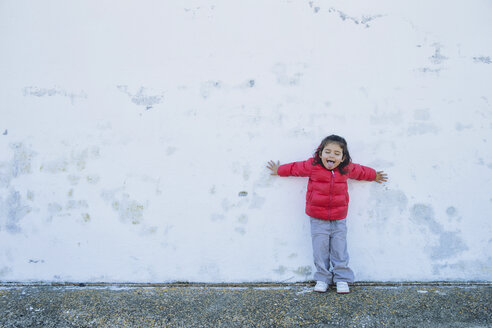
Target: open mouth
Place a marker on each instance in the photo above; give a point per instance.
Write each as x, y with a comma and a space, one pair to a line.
330, 164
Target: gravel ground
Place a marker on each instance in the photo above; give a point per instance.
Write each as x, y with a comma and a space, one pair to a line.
246, 306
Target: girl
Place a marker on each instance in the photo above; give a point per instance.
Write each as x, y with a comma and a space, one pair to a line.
327, 204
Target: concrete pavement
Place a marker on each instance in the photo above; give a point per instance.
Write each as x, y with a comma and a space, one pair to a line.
261, 305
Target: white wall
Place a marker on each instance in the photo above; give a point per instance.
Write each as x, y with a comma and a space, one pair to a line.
134, 137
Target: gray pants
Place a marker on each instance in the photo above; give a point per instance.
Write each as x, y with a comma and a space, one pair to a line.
330, 246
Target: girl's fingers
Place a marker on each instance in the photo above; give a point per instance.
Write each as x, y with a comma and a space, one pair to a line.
272, 166
381, 177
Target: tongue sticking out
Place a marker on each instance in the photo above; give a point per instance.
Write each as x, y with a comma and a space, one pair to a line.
329, 165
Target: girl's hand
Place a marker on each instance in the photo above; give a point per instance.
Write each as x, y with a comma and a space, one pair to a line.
381, 177
273, 167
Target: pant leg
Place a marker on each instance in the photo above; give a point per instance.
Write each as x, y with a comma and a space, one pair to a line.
320, 235
338, 252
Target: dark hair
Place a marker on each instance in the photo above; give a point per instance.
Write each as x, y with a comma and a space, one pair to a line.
339, 141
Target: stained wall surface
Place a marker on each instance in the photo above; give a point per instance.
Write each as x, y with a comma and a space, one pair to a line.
134, 137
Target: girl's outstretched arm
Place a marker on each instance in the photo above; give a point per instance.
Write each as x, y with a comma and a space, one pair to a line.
381, 177
294, 169
273, 167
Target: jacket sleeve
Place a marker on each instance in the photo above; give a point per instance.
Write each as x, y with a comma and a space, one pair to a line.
298, 169
360, 172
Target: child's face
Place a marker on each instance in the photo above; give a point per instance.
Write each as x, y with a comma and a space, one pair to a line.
332, 156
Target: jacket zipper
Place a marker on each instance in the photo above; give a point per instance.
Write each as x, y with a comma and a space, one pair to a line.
331, 193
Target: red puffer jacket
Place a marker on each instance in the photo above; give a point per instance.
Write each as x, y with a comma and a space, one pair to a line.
327, 196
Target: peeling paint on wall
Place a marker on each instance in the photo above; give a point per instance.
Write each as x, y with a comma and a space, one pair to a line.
170, 150
36, 261
388, 117
54, 167
50, 92
315, 8
289, 75
208, 87
303, 271
482, 59
30, 195
72, 208
74, 179
209, 269
385, 204
12, 208
240, 230
217, 217
460, 126
21, 163
422, 128
437, 58
364, 20
76, 160
5, 174
429, 70
484, 267
4, 271
129, 210
281, 270
453, 214
12, 211
243, 219
421, 114
141, 97
257, 201
93, 179
206, 11
86, 217
449, 242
